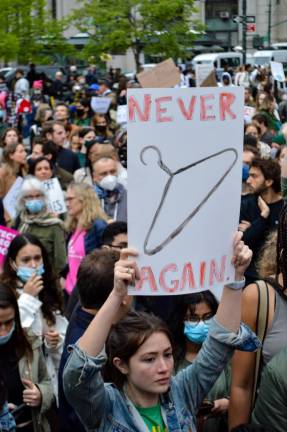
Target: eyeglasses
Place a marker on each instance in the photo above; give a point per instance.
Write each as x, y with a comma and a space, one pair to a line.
195, 319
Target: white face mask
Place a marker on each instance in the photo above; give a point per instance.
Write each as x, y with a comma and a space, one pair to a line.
109, 182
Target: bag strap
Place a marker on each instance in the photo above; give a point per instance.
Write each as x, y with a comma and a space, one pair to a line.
261, 328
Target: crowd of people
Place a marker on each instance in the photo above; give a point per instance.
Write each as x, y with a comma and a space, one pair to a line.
76, 352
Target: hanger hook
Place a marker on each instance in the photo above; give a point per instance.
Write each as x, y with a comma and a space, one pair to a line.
159, 161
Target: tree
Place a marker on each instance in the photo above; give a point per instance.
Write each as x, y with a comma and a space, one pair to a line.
157, 27
27, 31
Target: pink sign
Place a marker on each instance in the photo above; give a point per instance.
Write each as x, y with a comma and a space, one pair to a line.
6, 236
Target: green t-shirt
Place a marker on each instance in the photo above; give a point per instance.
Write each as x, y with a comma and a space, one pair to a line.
153, 418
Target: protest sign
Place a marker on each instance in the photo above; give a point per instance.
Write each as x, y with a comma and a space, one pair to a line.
165, 74
100, 105
122, 113
10, 200
202, 71
209, 81
277, 71
6, 236
56, 200
185, 167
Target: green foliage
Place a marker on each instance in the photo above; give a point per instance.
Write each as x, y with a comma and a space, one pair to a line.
159, 27
28, 33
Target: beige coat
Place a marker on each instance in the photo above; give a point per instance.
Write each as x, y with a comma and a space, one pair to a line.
36, 372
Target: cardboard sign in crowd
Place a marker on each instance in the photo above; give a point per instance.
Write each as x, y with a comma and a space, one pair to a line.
185, 167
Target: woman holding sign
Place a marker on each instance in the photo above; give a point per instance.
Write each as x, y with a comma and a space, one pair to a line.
35, 218
14, 166
144, 396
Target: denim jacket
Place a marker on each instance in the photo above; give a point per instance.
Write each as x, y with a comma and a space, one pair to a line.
104, 408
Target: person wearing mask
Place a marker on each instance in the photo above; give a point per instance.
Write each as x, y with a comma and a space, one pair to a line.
143, 394
272, 272
259, 212
35, 218
94, 283
85, 224
83, 108
55, 131
102, 130
28, 273
193, 317
23, 369
112, 194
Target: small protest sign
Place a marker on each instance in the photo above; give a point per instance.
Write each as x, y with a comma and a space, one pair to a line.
6, 236
209, 81
100, 105
248, 113
187, 171
122, 113
10, 200
277, 71
56, 199
202, 71
163, 75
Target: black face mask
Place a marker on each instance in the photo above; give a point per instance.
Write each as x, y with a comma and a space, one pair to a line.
101, 129
80, 112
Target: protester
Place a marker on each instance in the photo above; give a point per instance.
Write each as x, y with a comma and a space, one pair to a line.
244, 373
35, 218
140, 360
114, 237
85, 224
193, 318
28, 272
112, 194
23, 370
14, 166
55, 132
50, 151
259, 212
94, 284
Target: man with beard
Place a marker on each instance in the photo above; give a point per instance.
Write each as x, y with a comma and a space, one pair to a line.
260, 211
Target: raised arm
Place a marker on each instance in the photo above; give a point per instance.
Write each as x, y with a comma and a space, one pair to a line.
94, 338
229, 309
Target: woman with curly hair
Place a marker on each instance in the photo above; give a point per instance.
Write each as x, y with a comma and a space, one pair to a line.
86, 222
28, 272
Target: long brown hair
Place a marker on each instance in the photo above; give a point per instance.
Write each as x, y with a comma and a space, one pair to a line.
126, 337
21, 343
12, 166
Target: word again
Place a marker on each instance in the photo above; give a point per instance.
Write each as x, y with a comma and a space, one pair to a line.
160, 109
174, 280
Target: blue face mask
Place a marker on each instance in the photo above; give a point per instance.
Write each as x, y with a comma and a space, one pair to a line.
245, 172
35, 205
7, 337
24, 273
196, 333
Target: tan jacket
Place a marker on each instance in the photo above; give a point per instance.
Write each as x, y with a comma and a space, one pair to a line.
36, 371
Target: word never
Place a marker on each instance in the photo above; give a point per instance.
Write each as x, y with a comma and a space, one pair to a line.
162, 104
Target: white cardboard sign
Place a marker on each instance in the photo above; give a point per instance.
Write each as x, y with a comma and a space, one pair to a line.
184, 162
122, 114
277, 71
100, 105
56, 199
10, 200
201, 72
